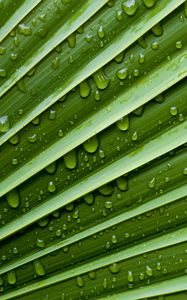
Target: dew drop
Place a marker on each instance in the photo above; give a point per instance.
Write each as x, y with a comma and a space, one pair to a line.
100, 32
51, 169
130, 277
40, 243
134, 136
114, 268
157, 29
70, 159
3, 73
185, 171
105, 283
123, 123
151, 183
32, 138
24, 29
130, 7
178, 45
101, 80
122, 183
84, 89
11, 277
51, 187
122, 73
173, 110
155, 45
92, 144
80, 281
141, 58
39, 269
13, 198
106, 190
89, 199
149, 3
97, 96
4, 124
72, 40
149, 271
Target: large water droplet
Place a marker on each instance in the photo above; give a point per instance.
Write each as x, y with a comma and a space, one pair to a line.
123, 123
70, 159
13, 198
149, 3
101, 79
39, 269
4, 124
130, 7
84, 89
11, 277
92, 144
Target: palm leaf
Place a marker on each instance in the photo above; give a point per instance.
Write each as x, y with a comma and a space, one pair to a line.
93, 149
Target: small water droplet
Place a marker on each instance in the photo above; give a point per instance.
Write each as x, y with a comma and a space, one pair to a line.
24, 29
122, 73
80, 281
173, 110
92, 144
151, 183
11, 277
149, 3
84, 89
51, 187
178, 45
114, 268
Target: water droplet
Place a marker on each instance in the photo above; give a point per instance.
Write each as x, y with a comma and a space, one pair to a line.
100, 32
106, 190
173, 110
72, 40
3, 73
139, 111
114, 239
149, 271
122, 183
136, 72
142, 42
130, 7
122, 73
151, 183
155, 45
14, 140
185, 171
134, 136
89, 199
101, 80
40, 243
80, 281
141, 276
108, 204
32, 138
157, 29
149, 3
123, 123
92, 144
70, 159
13, 198
97, 96
84, 89
51, 187
141, 59
13, 56
114, 268
130, 276
51, 169
11, 277
39, 269
43, 222
92, 275
15, 161
101, 153
24, 29
2, 50
178, 45
52, 114
105, 283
